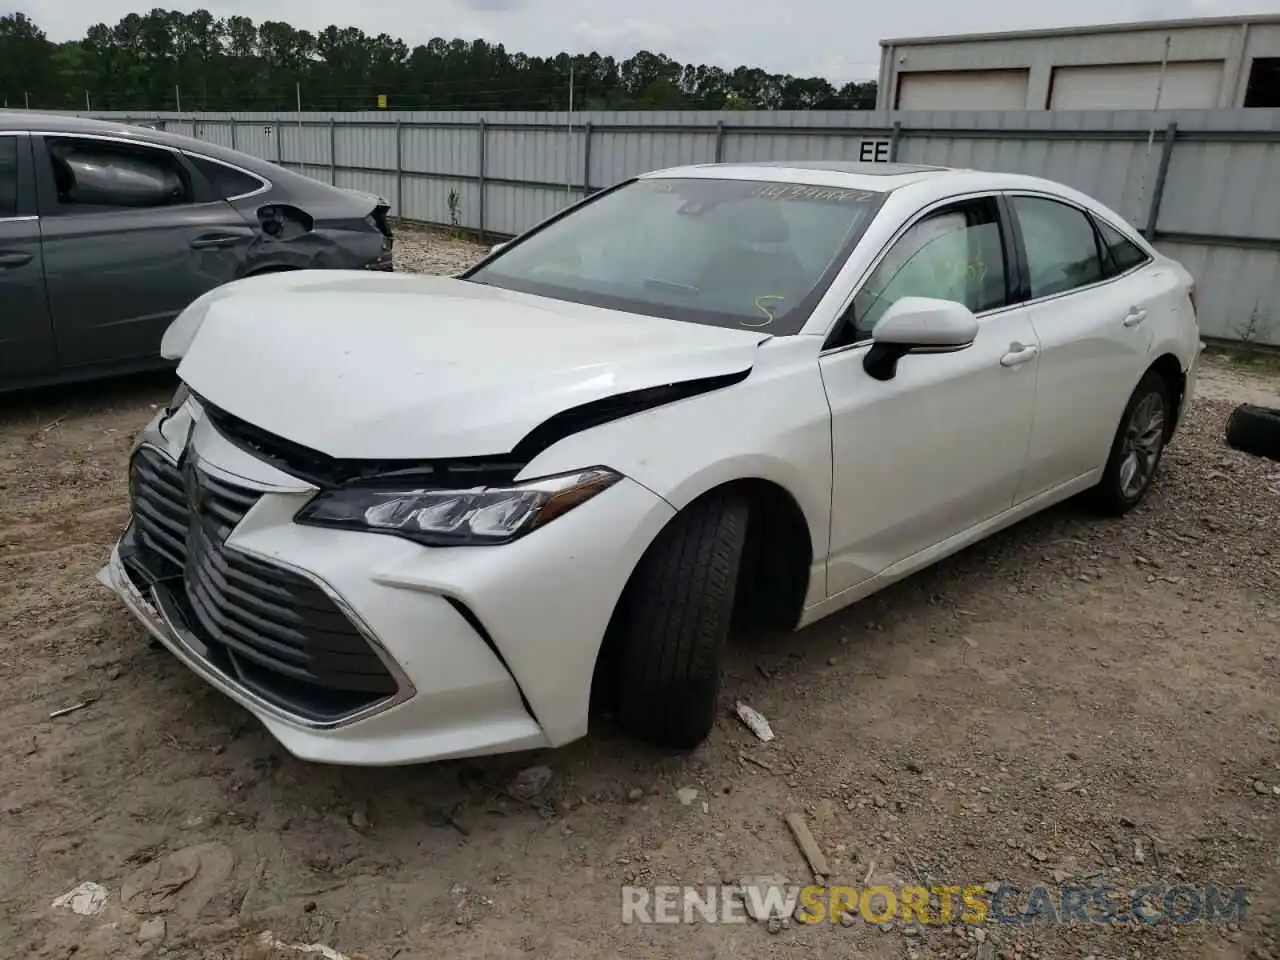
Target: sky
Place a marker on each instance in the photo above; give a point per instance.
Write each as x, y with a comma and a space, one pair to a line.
836, 39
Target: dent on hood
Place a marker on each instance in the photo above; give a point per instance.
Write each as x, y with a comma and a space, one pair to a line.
326, 471
304, 356
287, 242
181, 331
184, 327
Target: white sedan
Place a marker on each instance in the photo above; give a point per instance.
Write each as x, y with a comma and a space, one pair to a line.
405, 518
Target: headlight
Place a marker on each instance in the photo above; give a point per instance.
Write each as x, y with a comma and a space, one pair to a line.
442, 518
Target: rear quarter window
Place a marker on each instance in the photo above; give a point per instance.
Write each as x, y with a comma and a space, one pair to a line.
1123, 254
226, 181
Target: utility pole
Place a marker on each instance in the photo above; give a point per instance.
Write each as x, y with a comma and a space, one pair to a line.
87, 105
1151, 134
26, 99
177, 97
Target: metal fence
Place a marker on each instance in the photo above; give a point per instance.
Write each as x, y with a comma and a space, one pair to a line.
1204, 184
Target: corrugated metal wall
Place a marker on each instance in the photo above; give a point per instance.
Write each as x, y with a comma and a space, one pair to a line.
1216, 188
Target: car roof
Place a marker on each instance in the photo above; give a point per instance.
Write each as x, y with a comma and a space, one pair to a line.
923, 184
849, 174
26, 121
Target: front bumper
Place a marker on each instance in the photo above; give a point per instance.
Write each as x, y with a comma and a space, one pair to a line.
491, 649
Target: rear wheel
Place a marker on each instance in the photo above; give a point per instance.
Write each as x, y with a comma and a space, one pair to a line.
676, 615
1136, 449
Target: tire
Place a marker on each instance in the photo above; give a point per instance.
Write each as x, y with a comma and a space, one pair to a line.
1117, 492
1256, 430
677, 611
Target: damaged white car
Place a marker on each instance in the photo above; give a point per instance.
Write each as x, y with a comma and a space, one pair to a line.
406, 518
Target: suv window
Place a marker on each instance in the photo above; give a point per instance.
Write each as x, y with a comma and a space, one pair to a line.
955, 253
8, 176
226, 181
98, 176
1062, 249
1122, 253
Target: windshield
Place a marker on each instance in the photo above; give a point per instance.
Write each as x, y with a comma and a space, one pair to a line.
733, 253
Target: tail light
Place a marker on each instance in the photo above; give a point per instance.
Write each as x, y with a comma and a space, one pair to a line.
378, 220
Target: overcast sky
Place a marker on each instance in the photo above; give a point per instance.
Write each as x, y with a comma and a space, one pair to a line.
837, 39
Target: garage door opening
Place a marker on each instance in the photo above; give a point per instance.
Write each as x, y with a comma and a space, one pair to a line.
1133, 86
963, 90
1264, 83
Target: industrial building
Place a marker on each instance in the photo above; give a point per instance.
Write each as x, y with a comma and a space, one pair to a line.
1188, 64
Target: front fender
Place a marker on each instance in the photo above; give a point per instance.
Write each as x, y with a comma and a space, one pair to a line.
774, 425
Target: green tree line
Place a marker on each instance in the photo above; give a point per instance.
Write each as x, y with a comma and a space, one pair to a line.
165, 60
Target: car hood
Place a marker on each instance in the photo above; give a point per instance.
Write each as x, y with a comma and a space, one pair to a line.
366, 366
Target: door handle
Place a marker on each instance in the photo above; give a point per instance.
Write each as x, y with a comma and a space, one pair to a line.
15, 260
1134, 317
1018, 354
213, 240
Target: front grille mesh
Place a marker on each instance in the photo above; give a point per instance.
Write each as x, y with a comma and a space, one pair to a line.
273, 630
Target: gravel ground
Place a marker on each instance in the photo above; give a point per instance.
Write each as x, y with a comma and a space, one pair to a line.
432, 251
1070, 701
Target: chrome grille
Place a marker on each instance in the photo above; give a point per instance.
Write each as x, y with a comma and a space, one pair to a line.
267, 627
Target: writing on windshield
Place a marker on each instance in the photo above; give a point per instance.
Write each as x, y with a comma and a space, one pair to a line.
740, 253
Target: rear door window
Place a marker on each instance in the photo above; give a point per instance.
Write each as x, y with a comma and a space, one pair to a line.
8, 176
1062, 249
97, 176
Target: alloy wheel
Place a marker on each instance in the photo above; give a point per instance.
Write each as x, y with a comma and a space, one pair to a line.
1143, 441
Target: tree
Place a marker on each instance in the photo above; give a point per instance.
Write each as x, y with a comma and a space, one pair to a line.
26, 61
145, 59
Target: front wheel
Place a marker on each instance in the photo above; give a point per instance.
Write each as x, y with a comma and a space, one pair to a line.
677, 612
1137, 448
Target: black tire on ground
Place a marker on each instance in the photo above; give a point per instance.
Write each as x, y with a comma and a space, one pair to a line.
677, 611
1112, 495
1256, 430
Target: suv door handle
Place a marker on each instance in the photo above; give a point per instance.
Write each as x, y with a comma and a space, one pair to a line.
15, 260
1134, 317
210, 240
1018, 354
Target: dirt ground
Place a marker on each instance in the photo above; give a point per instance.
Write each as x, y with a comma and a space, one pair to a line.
1070, 701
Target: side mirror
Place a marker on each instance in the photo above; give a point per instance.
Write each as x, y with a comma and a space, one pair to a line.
918, 325
497, 246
